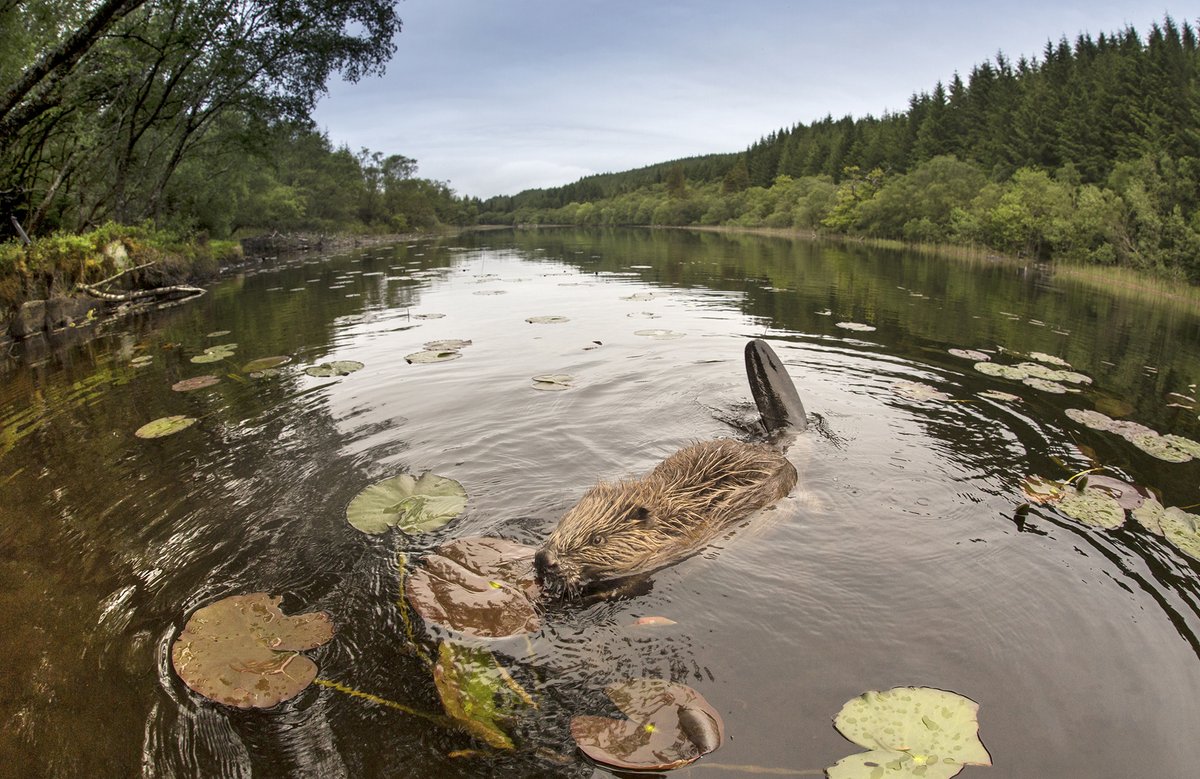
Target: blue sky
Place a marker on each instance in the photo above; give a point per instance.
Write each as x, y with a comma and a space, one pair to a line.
497, 96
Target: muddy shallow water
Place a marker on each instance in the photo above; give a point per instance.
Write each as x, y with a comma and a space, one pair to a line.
901, 559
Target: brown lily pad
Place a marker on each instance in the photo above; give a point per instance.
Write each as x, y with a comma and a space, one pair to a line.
669, 725
479, 586
195, 383
244, 651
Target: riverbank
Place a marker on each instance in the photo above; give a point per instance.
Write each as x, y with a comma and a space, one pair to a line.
72, 281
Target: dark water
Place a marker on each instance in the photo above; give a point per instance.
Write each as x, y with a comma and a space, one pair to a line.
900, 560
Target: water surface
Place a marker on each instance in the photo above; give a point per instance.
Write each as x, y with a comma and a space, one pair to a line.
900, 560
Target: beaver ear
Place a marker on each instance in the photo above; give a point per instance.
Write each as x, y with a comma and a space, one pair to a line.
643, 517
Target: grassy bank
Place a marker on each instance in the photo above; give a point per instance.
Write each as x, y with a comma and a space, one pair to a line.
55, 266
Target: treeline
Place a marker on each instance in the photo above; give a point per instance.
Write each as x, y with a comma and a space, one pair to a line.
1090, 151
194, 116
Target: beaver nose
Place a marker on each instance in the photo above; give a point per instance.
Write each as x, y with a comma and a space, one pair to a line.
545, 563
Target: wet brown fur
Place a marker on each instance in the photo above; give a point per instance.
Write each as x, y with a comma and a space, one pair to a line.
630, 527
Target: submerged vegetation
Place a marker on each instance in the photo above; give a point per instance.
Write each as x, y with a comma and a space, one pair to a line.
1087, 153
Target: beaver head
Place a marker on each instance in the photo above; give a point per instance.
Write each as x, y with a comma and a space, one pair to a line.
611, 533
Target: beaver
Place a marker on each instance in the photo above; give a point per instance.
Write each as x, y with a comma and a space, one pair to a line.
626, 528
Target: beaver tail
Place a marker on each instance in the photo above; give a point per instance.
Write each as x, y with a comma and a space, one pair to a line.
774, 393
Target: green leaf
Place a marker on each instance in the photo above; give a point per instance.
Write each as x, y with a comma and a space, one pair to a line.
477, 692
909, 732
164, 426
1150, 516
553, 382
547, 320
430, 355
1092, 507
335, 368
243, 651
1183, 530
415, 505
215, 353
263, 363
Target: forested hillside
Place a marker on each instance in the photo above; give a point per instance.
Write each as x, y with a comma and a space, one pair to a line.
1088, 151
195, 116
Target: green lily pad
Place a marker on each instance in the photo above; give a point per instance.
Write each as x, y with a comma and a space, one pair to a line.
1045, 386
1130, 496
661, 335
856, 326
1161, 446
553, 382
910, 732
915, 390
669, 725
483, 587
1049, 359
1186, 445
164, 426
430, 355
195, 383
243, 651
1002, 371
215, 353
970, 354
1092, 507
547, 320
1089, 418
1150, 516
263, 363
335, 368
477, 692
415, 505
447, 344
1183, 530
1006, 397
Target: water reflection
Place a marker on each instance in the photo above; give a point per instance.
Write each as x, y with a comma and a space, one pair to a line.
901, 559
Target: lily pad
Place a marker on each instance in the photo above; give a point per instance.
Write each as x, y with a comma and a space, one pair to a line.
415, 505
164, 426
856, 326
335, 368
142, 361
1092, 507
910, 732
970, 354
640, 296
553, 382
915, 390
1150, 516
195, 383
1039, 489
215, 353
662, 335
477, 692
1183, 530
479, 586
1128, 495
1089, 418
669, 725
263, 363
1006, 397
547, 320
1161, 446
1002, 371
449, 343
1052, 387
217, 333
1049, 359
243, 651
430, 355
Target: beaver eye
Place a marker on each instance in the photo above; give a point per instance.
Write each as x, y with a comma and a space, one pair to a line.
597, 539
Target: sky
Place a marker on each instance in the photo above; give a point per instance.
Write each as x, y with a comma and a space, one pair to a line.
498, 96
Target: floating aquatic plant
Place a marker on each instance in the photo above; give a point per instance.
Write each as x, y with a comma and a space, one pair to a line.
1006, 397
910, 732
915, 390
263, 363
546, 320
215, 353
553, 382
479, 586
195, 383
970, 354
335, 368
413, 504
1094, 506
142, 361
432, 355
449, 343
1049, 359
244, 651
477, 692
668, 725
164, 426
1170, 447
